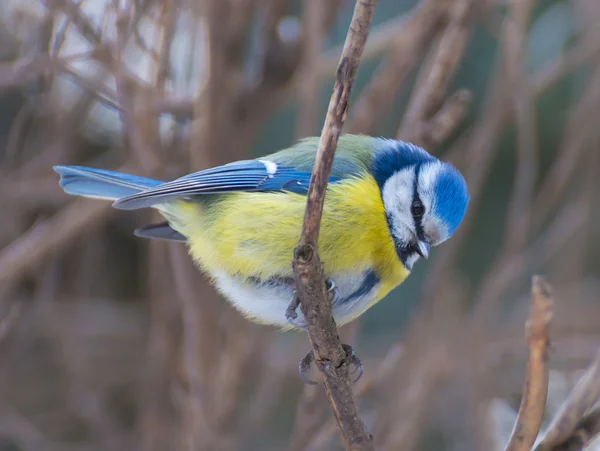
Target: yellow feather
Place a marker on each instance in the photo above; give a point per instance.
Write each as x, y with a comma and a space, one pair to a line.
254, 234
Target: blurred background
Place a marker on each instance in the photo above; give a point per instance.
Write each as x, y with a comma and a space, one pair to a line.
110, 342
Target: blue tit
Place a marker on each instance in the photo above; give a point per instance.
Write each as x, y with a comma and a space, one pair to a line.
387, 203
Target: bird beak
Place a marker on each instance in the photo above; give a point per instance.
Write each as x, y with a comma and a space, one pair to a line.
423, 248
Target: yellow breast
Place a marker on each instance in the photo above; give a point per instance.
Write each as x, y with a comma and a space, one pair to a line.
254, 234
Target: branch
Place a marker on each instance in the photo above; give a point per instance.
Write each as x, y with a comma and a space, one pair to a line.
410, 40
523, 108
439, 71
430, 134
44, 238
320, 439
308, 271
533, 403
587, 429
310, 83
564, 426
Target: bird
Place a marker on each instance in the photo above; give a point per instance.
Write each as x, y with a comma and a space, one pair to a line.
387, 203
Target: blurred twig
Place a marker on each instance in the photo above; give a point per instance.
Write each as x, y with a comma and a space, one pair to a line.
195, 429
515, 39
533, 401
406, 414
436, 130
437, 73
138, 136
308, 272
580, 400
579, 127
313, 36
553, 186
307, 418
46, 237
408, 43
586, 430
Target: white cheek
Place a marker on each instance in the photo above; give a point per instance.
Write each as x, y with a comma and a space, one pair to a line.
397, 196
435, 229
426, 184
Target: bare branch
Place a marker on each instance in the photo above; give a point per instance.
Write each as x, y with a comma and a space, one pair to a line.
533, 402
523, 107
310, 80
143, 144
307, 418
587, 429
308, 271
435, 131
387, 365
408, 45
429, 95
580, 400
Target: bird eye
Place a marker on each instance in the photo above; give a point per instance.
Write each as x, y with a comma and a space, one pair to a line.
417, 209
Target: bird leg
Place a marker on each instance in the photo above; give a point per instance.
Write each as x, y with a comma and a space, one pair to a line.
305, 363
351, 359
290, 313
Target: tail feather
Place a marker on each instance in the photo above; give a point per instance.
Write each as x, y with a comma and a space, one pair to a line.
101, 184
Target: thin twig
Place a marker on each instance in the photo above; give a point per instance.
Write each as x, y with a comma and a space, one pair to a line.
580, 400
580, 125
553, 187
523, 107
195, 427
51, 235
383, 38
307, 418
310, 81
587, 429
308, 271
80, 20
129, 97
409, 43
479, 139
438, 74
406, 414
533, 402
435, 131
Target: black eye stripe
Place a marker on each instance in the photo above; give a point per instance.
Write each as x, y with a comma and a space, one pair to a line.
416, 199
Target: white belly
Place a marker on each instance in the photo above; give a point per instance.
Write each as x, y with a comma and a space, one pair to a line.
267, 302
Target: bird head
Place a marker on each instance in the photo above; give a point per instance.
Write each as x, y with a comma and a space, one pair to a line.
425, 199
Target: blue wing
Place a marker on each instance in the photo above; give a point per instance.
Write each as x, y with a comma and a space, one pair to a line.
247, 175
101, 184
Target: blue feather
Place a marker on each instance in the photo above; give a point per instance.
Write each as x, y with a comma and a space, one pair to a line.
452, 197
248, 176
395, 156
100, 184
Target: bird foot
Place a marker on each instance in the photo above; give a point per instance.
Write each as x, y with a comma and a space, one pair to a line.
292, 315
351, 359
332, 290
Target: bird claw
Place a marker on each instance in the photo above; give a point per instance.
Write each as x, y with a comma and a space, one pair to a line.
304, 367
332, 290
351, 359
292, 315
